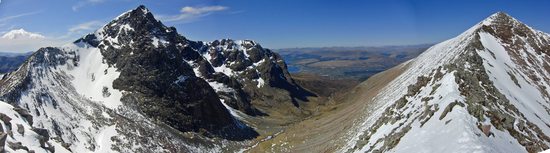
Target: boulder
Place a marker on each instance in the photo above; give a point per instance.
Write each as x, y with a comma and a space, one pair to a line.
17, 146
6, 119
43, 137
20, 129
24, 113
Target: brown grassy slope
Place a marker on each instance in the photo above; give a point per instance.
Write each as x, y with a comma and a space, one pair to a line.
324, 86
326, 132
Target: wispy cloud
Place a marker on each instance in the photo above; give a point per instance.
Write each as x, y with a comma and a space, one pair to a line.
7, 18
84, 3
86, 26
189, 13
5, 21
82, 28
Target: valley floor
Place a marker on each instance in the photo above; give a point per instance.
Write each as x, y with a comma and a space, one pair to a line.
328, 129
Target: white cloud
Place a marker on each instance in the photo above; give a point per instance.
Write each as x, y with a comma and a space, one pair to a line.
201, 10
189, 13
85, 27
84, 3
19, 40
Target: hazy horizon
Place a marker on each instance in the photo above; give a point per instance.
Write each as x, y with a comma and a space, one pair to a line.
274, 24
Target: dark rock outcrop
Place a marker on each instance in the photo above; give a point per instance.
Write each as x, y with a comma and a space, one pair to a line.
24, 113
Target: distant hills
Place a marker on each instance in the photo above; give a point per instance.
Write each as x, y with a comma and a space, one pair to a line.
10, 61
349, 62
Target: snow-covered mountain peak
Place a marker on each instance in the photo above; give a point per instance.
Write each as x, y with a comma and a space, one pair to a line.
139, 12
132, 28
21, 34
498, 16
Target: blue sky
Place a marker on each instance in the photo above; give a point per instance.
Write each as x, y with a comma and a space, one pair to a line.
274, 24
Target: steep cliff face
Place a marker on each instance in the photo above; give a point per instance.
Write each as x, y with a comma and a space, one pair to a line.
136, 85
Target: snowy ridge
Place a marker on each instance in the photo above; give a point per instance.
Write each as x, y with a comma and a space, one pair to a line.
218, 48
228, 45
431, 59
425, 109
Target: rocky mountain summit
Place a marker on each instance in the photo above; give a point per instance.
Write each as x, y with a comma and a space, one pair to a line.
136, 85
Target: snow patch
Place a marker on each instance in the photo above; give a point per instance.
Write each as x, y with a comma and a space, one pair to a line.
93, 78
103, 139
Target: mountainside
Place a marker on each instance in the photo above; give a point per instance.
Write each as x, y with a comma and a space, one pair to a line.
486, 90
136, 85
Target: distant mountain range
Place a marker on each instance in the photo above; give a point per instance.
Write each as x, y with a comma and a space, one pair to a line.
11, 61
13, 54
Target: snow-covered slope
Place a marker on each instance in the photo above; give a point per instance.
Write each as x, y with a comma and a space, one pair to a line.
18, 135
485, 90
